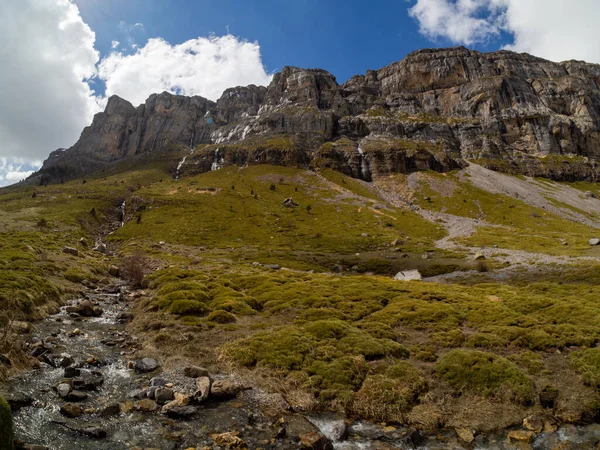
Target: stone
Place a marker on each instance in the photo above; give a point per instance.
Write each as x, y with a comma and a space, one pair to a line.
465, 435
204, 387
71, 372
163, 395
88, 381
181, 412
315, 441
140, 394
114, 271
145, 365
63, 389
124, 317
70, 251
521, 435
76, 396
101, 248
75, 332
534, 423
145, 405
83, 242
111, 410
195, 372
228, 440
409, 275
594, 241
17, 400
272, 266
71, 410
157, 382
589, 194
86, 308
338, 431
224, 389
290, 203
479, 257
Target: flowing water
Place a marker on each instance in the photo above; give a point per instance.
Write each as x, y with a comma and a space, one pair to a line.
103, 349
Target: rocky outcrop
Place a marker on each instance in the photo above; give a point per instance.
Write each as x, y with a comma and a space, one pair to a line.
435, 109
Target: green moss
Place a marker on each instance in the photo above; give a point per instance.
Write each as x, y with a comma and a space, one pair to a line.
220, 316
587, 363
188, 308
486, 374
7, 432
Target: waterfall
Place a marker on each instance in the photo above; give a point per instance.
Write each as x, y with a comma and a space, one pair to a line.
123, 213
182, 162
216, 165
364, 166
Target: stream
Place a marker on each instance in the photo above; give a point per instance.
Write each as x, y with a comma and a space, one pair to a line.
91, 359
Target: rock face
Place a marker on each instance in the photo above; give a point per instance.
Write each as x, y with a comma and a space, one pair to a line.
435, 109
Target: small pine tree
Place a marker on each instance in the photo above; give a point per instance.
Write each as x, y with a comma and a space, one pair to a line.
34, 195
272, 187
308, 208
255, 196
93, 212
139, 219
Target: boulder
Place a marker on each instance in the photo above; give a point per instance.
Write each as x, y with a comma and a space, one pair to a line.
534, 423
224, 389
86, 308
181, 412
479, 257
163, 395
465, 435
521, 436
145, 405
204, 387
70, 251
114, 271
594, 241
76, 396
409, 275
71, 410
228, 440
145, 365
272, 266
101, 248
83, 242
195, 372
111, 410
290, 203
315, 441
63, 389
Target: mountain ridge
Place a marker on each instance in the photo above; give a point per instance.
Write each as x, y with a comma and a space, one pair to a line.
434, 109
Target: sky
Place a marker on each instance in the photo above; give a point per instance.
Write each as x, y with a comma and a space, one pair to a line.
61, 59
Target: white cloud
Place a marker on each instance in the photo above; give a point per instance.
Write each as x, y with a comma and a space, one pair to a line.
49, 62
202, 66
554, 29
47, 54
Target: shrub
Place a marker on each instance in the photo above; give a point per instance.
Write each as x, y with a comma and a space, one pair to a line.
134, 268
7, 429
485, 374
390, 396
220, 316
188, 308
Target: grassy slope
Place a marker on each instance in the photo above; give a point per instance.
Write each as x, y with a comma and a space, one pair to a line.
350, 341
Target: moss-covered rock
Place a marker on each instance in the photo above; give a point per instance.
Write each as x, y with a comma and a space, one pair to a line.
7, 431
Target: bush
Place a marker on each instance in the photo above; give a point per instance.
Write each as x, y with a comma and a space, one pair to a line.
485, 374
134, 268
7, 429
188, 308
220, 316
388, 397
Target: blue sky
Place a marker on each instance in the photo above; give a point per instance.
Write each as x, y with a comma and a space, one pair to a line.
345, 38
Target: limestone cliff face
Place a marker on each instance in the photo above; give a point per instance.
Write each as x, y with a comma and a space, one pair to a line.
435, 109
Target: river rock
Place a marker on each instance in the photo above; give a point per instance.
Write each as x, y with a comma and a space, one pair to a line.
272, 266
157, 382
163, 395
63, 389
145, 405
83, 241
145, 365
111, 410
204, 387
224, 389
181, 412
228, 440
465, 434
409, 275
315, 441
76, 396
101, 248
534, 423
71, 251
195, 372
338, 431
140, 394
88, 381
85, 308
71, 410
521, 435
71, 372
124, 317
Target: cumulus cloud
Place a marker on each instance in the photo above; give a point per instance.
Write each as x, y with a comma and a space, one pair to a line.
554, 29
47, 55
49, 62
202, 66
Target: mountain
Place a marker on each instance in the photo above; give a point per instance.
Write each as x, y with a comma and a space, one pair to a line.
435, 109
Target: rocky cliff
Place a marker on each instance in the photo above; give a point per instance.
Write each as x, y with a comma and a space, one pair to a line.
435, 109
